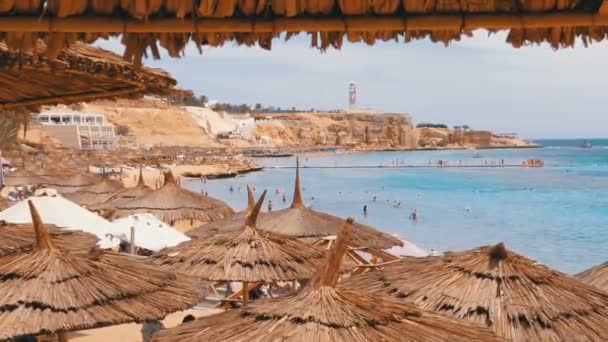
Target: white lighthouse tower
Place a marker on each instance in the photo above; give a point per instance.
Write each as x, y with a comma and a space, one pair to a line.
352, 96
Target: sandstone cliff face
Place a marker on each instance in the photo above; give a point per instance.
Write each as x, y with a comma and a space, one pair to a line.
449, 138
356, 131
370, 132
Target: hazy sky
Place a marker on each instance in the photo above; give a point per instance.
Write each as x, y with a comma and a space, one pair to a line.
481, 81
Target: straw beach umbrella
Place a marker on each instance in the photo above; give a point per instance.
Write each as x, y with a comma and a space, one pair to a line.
95, 194
324, 312
230, 224
172, 203
15, 238
246, 255
596, 276
511, 294
50, 291
302, 222
124, 196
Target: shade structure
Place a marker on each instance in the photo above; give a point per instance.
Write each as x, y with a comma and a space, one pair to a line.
16, 238
511, 294
48, 290
172, 203
323, 312
124, 196
95, 194
62, 213
150, 232
596, 276
37, 74
246, 255
229, 224
302, 222
69, 183
151, 25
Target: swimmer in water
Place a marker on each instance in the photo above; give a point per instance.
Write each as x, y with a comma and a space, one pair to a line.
365, 210
284, 198
374, 200
414, 215
269, 205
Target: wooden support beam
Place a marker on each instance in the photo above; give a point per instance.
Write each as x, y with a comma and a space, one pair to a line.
468, 21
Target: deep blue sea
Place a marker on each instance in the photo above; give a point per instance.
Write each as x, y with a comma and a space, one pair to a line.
557, 215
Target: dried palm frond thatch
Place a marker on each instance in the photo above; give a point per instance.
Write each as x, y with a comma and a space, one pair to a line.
95, 194
148, 26
16, 238
69, 183
36, 74
596, 276
230, 224
124, 196
511, 294
172, 203
48, 290
321, 312
246, 255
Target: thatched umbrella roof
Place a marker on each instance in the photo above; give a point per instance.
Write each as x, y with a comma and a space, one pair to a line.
302, 222
246, 255
70, 183
95, 194
144, 25
596, 276
173, 203
322, 312
16, 238
229, 224
48, 290
516, 297
36, 74
124, 196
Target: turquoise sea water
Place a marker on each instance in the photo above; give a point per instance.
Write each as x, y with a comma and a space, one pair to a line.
557, 215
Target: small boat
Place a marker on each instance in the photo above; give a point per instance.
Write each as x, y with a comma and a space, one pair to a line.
586, 144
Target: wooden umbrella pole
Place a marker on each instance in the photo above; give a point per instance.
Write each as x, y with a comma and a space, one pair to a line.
469, 21
132, 243
62, 336
245, 293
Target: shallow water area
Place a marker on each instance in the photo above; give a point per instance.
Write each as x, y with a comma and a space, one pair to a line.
557, 214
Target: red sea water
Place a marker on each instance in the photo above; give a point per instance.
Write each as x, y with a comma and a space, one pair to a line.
557, 215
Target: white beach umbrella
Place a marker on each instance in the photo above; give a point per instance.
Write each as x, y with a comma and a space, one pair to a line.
150, 232
56, 210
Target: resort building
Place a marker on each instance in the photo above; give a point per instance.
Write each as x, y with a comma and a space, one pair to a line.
77, 129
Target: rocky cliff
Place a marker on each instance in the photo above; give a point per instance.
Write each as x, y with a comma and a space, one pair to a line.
354, 131
370, 132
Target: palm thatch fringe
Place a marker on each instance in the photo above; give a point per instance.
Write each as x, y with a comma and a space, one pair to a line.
324, 313
48, 290
33, 73
246, 255
148, 26
516, 297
